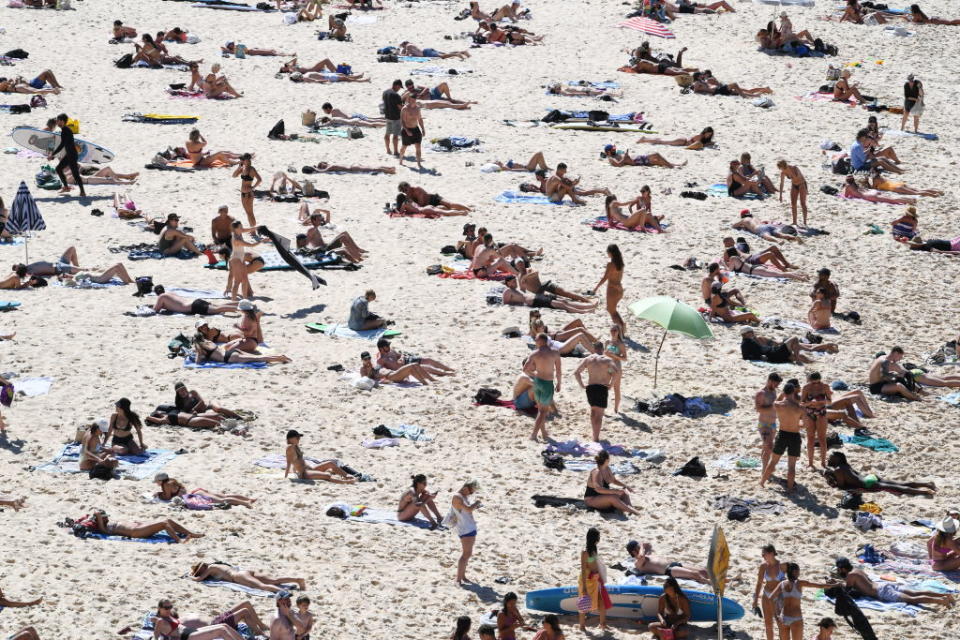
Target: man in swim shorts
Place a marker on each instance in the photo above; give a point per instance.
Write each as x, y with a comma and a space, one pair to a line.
885, 592
543, 366
789, 414
887, 377
602, 373
645, 563
767, 415
412, 129
67, 264
424, 199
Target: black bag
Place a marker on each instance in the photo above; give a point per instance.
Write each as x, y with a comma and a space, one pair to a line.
834, 441
829, 190
124, 62
552, 461
694, 468
847, 608
336, 512
449, 249
555, 116
277, 131
19, 108
388, 58
842, 167
19, 54
668, 405
850, 501
381, 431
598, 116
178, 345
101, 472
434, 270
738, 512
144, 285
487, 396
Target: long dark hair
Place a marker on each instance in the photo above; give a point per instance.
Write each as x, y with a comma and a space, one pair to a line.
673, 584
706, 135
418, 479
593, 537
793, 571
606, 203
124, 405
507, 598
553, 622
601, 458
615, 256
463, 625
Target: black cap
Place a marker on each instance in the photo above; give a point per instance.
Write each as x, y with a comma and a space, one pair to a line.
364, 355
293, 433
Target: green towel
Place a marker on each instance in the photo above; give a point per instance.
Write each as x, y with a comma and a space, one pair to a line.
876, 444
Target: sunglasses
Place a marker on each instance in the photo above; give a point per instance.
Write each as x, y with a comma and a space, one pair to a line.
166, 606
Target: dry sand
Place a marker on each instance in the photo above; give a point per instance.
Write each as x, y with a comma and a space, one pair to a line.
377, 581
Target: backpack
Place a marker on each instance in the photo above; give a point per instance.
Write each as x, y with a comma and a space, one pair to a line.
19, 54
829, 190
693, 468
37, 102
144, 285
124, 62
487, 396
738, 512
553, 461
278, 129
381, 431
850, 501
81, 527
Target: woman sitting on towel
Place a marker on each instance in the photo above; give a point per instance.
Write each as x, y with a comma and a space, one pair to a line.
206, 351
328, 470
178, 532
168, 625
90, 454
639, 219
377, 373
696, 143
217, 86
840, 475
943, 551
195, 149
598, 494
171, 488
223, 572
123, 423
418, 500
721, 308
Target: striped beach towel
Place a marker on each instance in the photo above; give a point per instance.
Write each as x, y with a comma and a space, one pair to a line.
646, 25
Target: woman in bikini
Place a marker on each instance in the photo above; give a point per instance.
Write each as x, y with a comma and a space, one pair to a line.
790, 591
598, 494
122, 424
551, 629
640, 218
844, 91
377, 373
206, 351
917, 16
418, 500
673, 612
171, 488
738, 186
877, 181
700, 141
223, 572
406, 206
178, 532
168, 625
733, 262
215, 86
177, 418
90, 455
567, 331
771, 573
943, 552
624, 159
720, 307
814, 397
509, 619
798, 188
238, 273
249, 180
195, 152
565, 347
613, 276
853, 191
591, 583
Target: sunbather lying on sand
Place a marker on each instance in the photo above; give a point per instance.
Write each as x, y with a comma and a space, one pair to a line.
168, 623
408, 49
116, 271
407, 206
508, 11
705, 83
697, 142
378, 373
624, 159
389, 358
294, 67
644, 563
559, 89
336, 116
763, 229
530, 281
917, 16
67, 263
420, 196
36, 86
436, 98
171, 488
327, 77
734, 262
173, 303
142, 530
223, 572
231, 48
840, 475
877, 181
771, 255
852, 191
102, 175
536, 162
329, 470
935, 245
324, 167
754, 347
203, 420
14, 503
206, 351
513, 296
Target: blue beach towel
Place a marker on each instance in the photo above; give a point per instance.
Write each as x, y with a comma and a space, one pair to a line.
514, 197
877, 605
133, 467
190, 363
605, 84
414, 59
160, 538
876, 444
719, 190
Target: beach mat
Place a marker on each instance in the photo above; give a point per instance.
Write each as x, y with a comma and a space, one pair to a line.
343, 331
601, 222
8, 305
516, 197
272, 261
381, 516
137, 467
159, 538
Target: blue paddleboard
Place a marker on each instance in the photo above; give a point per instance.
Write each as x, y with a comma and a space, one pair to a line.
637, 602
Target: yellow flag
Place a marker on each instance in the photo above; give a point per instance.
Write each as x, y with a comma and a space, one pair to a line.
718, 561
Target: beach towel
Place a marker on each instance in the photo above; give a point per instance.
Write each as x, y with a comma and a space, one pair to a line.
770, 507
602, 84
434, 70
410, 432
648, 26
282, 246
156, 254
909, 134
190, 363
377, 516
87, 283
876, 444
623, 468
272, 261
719, 190
195, 95
574, 447
601, 222
131, 467
414, 58
33, 386
467, 274
380, 443
354, 379
331, 132
159, 538
343, 331
516, 197
8, 305
279, 461
877, 605
13, 242
820, 96
952, 399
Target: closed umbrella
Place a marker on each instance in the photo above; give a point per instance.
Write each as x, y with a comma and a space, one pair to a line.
24, 217
646, 25
672, 315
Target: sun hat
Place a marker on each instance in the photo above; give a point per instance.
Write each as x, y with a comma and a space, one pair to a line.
200, 323
745, 330
161, 477
947, 525
245, 305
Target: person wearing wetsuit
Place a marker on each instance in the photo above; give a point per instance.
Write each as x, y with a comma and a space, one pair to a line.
70, 157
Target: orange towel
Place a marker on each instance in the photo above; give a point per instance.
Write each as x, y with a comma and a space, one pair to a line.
191, 165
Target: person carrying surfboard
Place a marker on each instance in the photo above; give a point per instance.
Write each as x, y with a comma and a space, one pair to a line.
70, 156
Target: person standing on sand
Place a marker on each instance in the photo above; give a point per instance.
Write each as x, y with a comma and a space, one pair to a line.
602, 373
412, 129
789, 413
912, 103
767, 416
391, 112
543, 366
249, 180
613, 276
70, 157
590, 584
798, 188
462, 508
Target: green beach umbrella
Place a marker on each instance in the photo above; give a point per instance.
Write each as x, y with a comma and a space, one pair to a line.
672, 315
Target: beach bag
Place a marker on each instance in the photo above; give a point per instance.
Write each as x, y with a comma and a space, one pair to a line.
82, 527
124, 62
451, 519
6, 395
693, 468
178, 345
866, 521
487, 396
37, 102
553, 461
144, 285
277, 131
738, 512
345, 69
842, 167
829, 190
20, 54
308, 118
101, 472
355, 133
47, 178
555, 116
19, 108
850, 501
388, 58
598, 116
685, 81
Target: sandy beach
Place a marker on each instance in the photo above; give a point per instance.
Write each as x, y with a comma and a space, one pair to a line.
380, 581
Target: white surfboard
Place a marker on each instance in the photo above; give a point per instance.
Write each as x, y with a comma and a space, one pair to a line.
46, 141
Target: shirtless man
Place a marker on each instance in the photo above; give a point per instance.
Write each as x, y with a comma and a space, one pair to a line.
435, 98
789, 414
832, 290
514, 296
771, 255
286, 625
467, 246
172, 241
67, 264
412, 129
327, 470
602, 373
840, 475
178, 304
886, 592
543, 366
714, 274
767, 416
424, 199
530, 281
409, 49
819, 314
887, 377
766, 230
557, 186
220, 227
343, 244
646, 564
388, 358
488, 258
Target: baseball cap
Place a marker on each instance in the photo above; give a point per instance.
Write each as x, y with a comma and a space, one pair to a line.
160, 477
200, 323
293, 433
607, 148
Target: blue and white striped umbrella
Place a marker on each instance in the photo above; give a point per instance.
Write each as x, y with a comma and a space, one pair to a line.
24, 215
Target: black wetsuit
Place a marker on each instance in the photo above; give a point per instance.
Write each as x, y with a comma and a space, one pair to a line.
70, 158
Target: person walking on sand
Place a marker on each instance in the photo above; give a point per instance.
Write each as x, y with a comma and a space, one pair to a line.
602, 373
591, 592
769, 575
798, 189
789, 414
70, 158
462, 507
816, 395
543, 366
613, 276
391, 113
767, 416
912, 103
412, 129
